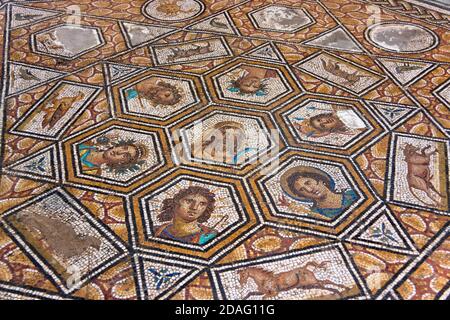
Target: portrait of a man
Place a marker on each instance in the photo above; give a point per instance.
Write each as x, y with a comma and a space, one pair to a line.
224, 142
316, 187
120, 156
338, 124
184, 216
327, 123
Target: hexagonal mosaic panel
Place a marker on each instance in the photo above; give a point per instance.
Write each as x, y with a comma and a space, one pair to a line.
336, 125
68, 41
255, 85
281, 18
158, 96
305, 189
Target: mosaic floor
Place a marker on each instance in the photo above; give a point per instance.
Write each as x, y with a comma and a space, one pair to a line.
225, 149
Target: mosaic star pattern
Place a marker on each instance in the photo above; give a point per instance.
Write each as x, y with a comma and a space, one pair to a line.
116, 181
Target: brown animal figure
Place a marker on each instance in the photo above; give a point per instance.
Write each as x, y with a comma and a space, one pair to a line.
60, 236
187, 53
419, 174
335, 69
23, 74
270, 284
58, 109
13, 79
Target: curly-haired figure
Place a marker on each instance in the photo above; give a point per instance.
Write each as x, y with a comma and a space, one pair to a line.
184, 214
118, 157
157, 91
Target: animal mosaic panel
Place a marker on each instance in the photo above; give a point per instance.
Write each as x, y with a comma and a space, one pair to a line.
160, 277
67, 41
23, 77
218, 150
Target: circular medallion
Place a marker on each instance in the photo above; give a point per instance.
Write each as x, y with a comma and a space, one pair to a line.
172, 10
401, 37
